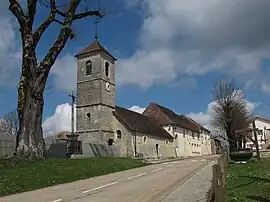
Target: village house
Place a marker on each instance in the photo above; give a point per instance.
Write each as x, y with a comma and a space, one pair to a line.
263, 133
106, 129
190, 138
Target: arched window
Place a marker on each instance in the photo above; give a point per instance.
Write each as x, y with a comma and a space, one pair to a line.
110, 142
88, 67
119, 134
144, 139
107, 65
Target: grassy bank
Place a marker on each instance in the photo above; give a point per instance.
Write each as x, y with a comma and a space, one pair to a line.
249, 182
27, 175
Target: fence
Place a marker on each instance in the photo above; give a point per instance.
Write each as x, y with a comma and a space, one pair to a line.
7, 145
217, 193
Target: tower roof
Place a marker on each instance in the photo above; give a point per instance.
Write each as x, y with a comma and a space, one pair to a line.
94, 47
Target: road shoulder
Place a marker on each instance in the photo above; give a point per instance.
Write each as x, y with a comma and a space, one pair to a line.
193, 189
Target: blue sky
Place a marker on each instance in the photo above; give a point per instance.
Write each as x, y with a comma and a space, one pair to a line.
170, 52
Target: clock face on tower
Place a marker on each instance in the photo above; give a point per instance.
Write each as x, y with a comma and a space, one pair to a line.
107, 86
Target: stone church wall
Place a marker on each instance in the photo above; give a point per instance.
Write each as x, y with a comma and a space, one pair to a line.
154, 146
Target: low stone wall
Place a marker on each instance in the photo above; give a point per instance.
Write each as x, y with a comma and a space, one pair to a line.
7, 145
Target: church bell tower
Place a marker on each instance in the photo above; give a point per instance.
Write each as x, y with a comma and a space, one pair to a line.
95, 94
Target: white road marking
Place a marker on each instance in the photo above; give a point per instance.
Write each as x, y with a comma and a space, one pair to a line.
194, 161
169, 165
203, 160
165, 163
176, 162
100, 187
136, 176
58, 200
157, 169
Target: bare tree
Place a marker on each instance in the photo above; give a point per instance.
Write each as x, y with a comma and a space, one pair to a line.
10, 123
230, 110
34, 75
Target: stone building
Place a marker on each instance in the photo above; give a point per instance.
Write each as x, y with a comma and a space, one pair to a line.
190, 138
106, 129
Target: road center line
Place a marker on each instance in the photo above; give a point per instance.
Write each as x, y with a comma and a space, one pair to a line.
100, 187
157, 169
194, 161
203, 160
58, 200
136, 176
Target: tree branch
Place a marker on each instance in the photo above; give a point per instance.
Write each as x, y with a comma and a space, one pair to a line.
17, 11
59, 44
61, 13
61, 40
32, 5
87, 13
42, 28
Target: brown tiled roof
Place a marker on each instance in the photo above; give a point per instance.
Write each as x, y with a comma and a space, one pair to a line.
94, 47
199, 125
166, 116
141, 123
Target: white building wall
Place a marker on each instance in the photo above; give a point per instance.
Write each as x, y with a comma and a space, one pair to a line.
264, 128
188, 143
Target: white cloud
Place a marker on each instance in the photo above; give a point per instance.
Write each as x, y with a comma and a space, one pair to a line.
194, 37
59, 121
65, 73
204, 118
137, 109
9, 47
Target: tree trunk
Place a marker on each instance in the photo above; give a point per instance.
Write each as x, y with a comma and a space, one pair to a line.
30, 107
256, 140
31, 142
231, 137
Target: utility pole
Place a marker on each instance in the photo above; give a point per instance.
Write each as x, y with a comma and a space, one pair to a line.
256, 140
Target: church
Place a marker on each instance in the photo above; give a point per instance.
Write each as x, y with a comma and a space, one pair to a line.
105, 129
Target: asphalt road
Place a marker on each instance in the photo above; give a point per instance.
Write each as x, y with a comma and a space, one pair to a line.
146, 184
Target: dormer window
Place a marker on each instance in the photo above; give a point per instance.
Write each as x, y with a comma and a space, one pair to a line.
88, 67
107, 66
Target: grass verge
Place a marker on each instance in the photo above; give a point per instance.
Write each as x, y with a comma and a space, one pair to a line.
30, 175
249, 182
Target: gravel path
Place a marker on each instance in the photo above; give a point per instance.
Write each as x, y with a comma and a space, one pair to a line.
194, 189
